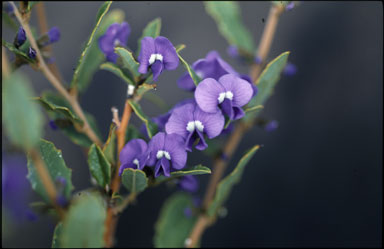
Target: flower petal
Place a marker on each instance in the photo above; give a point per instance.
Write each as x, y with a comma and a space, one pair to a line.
185, 82
166, 166
213, 122
156, 144
157, 68
227, 109
177, 122
123, 33
147, 49
238, 112
241, 89
174, 145
207, 93
133, 149
167, 50
106, 44
202, 145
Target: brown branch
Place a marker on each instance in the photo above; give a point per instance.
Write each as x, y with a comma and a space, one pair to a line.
86, 129
112, 218
5, 68
233, 141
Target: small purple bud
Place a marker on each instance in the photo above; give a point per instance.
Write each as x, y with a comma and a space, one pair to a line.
258, 60
271, 126
53, 125
188, 212
31, 53
31, 216
7, 7
61, 181
20, 37
62, 201
54, 35
290, 6
290, 69
233, 51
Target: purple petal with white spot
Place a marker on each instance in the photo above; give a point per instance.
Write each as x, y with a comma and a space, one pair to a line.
177, 122
174, 145
207, 93
134, 149
147, 49
213, 122
241, 89
167, 50
156, 144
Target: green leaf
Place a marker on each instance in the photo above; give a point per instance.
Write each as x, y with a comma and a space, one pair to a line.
144, 88
22, 118
196, 170
151, 126
266, 83
30, 5
45, 101
92, 57
128, 60
99, 166
9, 21
132, 133
56, 167
152, 29
225, 186
173, 226
113, 68
17, 52
180, 47
196, 79
56, 236
134, 180
255, 108
109, 148
84, 223
228, 19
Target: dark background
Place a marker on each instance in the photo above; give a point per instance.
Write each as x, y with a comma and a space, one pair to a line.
318, 179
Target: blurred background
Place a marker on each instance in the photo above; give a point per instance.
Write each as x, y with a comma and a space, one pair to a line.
317, 180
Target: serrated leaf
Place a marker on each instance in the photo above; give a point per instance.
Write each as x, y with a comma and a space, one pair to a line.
196, 79
99, 166
84, 223
128, 60
56, 236
17, 52
228, 19
92, 57
51, 106
267, 82
152, 29
22, 118
225, 186
55, 166
196, 170
151, 126
113, 68
109, 148
134, 180
173, 227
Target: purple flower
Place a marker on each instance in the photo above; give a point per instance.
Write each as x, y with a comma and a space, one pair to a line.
228, 94
189, 183
134, 155
158, 54
116, 34
271, 126
213, 66
192, 124
167, 152
31, 53
53, 35
20, 37
290, 69
7, 7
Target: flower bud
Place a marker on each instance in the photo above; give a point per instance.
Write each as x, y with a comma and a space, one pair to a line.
20, 38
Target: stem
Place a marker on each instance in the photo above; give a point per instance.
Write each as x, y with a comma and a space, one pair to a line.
43, 26
86, 129
131, 198
235, 138
112, 218
5, 68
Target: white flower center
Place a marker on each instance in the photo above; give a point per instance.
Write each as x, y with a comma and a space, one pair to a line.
223, 95
155, 57
136, 162
161, 153
196, 124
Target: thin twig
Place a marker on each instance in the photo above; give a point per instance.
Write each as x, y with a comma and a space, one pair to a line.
55, 82
233, 141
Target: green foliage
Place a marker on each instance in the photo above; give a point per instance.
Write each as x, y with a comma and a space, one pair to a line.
109, 148
225, 186
144, 88
56, 236
134, 180
30, 5
9, 21
99, 166
266, 83
56, 167
22, 118
173, 226
152, 29
113, 68
255, 108
196, 79
132, 133
92, 57
228, 19
18, 52
196, 170
83, 225
151, 126
128, 61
